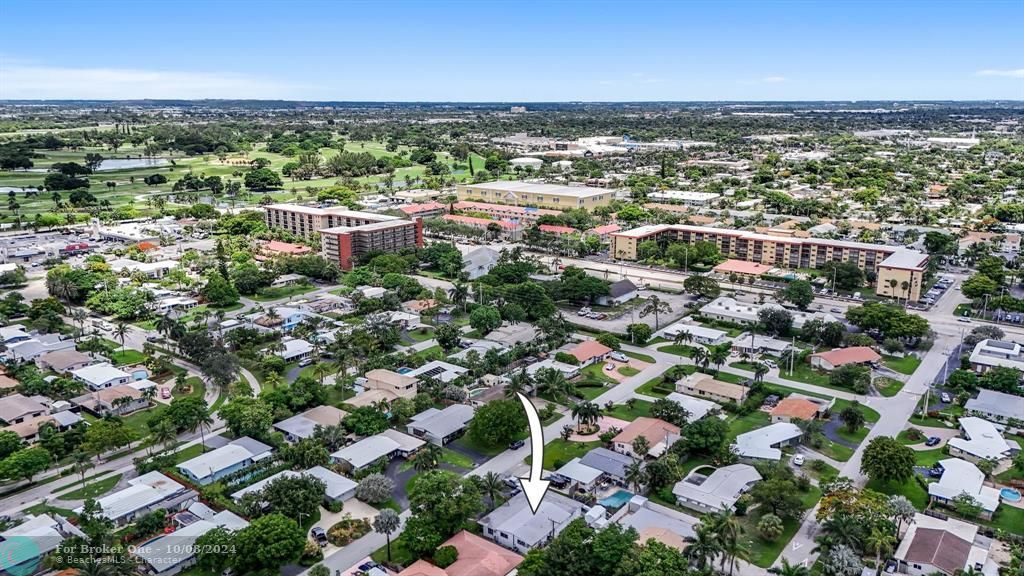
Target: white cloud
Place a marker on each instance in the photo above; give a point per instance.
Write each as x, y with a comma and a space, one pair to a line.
773, 79
1016, 73
23, 81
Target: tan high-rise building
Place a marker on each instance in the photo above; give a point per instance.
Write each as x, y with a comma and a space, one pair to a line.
890, 263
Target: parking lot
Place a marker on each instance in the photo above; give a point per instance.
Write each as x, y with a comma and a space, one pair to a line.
618, 322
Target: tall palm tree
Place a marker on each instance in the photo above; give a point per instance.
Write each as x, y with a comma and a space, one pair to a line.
121, 332
788, 569
657, 307
701, 357
586, 414
719, 354
164, 433
82, 462
681, 338
428, 458
518, 383
728, 528
273, 379
460, 296
79, 316
881, 542
636, 476
202, 421
760, 369
704, 545
491, 484
322, 370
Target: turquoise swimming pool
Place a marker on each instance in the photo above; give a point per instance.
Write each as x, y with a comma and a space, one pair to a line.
617, 500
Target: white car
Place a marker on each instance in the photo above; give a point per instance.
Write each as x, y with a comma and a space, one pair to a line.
619, 357
798, 460
609, 367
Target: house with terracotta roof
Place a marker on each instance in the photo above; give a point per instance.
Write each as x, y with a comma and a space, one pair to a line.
422, 210
557, 230
705, 386
796, 408
833, 359
477, 557
603, 232
277, 248
659, 434
509, 230
589, 352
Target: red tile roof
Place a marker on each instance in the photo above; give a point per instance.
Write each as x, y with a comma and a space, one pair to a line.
412, 209
852, 355
799, 408
557, 229
742, 267
606, 229
286, 247
589, 349
474, 221
477, 557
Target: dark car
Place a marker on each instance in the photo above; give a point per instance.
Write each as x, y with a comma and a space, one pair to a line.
517, 445
936, 472
933, 441
558, 481
319, 535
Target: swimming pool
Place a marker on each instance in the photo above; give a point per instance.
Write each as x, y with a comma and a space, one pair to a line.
617, 500
1010, 495
140, 374
404, 370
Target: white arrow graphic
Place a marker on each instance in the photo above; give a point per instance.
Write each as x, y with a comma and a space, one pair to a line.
533, 486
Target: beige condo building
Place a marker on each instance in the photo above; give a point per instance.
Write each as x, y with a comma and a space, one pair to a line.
900, 272
552, 196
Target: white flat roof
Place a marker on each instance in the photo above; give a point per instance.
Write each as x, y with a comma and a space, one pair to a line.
758, 443
366, 451
580, 472
961, 476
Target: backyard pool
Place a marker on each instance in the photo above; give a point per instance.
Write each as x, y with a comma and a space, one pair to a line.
404, 370
140, 374
617, 500
1010, 495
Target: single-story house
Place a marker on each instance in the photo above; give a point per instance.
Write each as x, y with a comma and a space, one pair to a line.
589, 352
659, 434
619, 293
950, 546
441, 426
582, 477
705, 386
833, 359
612, 464
102, 375
23, 547
995, 406
701, 334
512, 334
383, 446
212, 466
746, 343
982, 440
479, 261
515, 526
144, 494
476, 557
656, 522
717, 491
567, 370
120, 400
959, 477
295, 349
13, 334
29, 350
766, 443
339, 488
989, 354
175, 552
796, 408
16, 408
696, 408
302, 425
287, 280
61, 361
438, 370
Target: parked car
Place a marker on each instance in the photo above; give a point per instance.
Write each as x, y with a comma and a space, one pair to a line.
517, 445
936, 472
165, 393
152, 338
964, 320
945, 397
609, 367
932, 441
319, 536
835, 310
619, 357
305, 362
798, 460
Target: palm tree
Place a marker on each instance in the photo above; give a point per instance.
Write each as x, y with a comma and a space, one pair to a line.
728, 528
202, 421
554, 382
79, 316
636, 476
164, 433
684, 337
719, 354
427, 458
82, 462
905, 286
273, 379
385, 523
881, 542
657, 307
892, 284
788, 569
121, 332
321, 371
704, 545
760, 369
460, 296
491, 484
586, 414
518, 383
700, 356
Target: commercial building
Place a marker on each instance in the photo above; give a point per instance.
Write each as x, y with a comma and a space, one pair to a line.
346, 234
520, 214
508, 230
715, 492
684, 197
531, 194
888, 262
731, 310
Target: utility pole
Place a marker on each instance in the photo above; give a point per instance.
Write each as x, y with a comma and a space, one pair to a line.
792, 356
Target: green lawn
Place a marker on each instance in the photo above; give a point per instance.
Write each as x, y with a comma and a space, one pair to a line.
628, 371
678, 350
906, 365
399, 554
422, 334
835, 451
470, 443
596, 371
270, 294
640, 408
448, 457
92, 490
43, 508
731, 378
904, 437
1011, 474
763, 553
655, 387
911, 489
930, 458
747, 366
559, 451
806, 374
743, 424
640, 357
432, 353
127, 356
870, 414
888, 387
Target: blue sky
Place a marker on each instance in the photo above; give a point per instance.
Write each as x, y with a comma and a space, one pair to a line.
513, 51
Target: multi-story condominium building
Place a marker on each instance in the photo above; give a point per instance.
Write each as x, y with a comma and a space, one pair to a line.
346, 234
531, 194
899, 271
519, 214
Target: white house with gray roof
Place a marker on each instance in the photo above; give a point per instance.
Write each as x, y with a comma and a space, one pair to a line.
514, 526
228, 459
996, 406
767, 443
102, 375
441, 426
144, 494
175, 552
717, 491
982, 440
611, 463
962, 477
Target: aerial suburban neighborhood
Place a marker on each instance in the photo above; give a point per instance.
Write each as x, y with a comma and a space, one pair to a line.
643, 338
